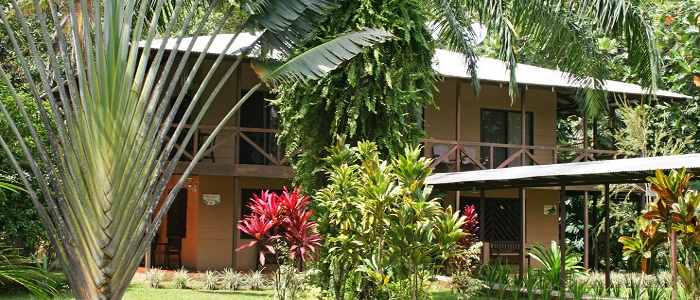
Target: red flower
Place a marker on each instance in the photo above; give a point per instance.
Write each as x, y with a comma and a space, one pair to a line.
471, 225
284, 216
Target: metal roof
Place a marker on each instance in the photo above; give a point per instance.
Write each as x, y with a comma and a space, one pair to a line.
446, 63
626, 170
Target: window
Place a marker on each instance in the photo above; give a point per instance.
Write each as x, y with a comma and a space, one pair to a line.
177, 216
502, 219
258, 113
503, 127
246, 194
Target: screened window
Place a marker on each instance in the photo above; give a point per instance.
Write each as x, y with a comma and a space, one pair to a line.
504, 127
258, 113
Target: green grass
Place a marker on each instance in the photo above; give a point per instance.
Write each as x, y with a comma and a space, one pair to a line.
139, 292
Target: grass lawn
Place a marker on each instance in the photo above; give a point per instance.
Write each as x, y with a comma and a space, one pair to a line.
139, 292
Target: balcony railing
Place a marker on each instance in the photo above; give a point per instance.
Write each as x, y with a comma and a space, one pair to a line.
235, 145
454, 156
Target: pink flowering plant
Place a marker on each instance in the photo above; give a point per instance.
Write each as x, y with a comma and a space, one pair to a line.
281, 222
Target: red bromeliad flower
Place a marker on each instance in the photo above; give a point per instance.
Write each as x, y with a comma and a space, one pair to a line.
285, 216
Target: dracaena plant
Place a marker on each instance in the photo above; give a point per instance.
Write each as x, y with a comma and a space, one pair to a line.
281, 218
670, 189
470, 226
112, 92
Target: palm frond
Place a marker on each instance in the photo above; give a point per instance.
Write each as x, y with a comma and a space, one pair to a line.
453, 27
286, 23
318, 61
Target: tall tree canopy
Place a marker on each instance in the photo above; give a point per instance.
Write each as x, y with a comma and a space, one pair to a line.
382, 94
379, 95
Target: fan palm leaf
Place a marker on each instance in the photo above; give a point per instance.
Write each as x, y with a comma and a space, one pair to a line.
111, 105
564, 32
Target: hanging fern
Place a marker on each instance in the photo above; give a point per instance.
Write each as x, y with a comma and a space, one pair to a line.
378, 96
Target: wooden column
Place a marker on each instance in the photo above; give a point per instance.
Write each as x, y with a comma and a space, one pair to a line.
523, 132
585, 137
594, 220
562, 240
606, 237
458, 126
482, 226
523, 232
586, 225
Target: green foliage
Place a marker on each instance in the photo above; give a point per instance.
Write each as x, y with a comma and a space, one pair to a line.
381, 227
181, 279
211, 280
17, 270
231, 279
370, 98
647, 133
289, 283
255, 280
154, 278
550, 258
466, 286
19, 222
639, 248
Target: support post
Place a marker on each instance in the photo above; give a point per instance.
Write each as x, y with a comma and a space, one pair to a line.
586, 225
482, 227
523, 233
585, 137
147, 259
606, 242
523, 131
594, 239
562, 240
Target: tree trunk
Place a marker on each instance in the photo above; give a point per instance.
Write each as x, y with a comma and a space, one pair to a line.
674, 271
644, 265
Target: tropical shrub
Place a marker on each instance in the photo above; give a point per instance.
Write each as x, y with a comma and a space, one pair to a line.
281, 221
211, 280
670, 190
288, 284
638, 249
470, 227
255, 280
17, 270
231, 280
382, 227
550, 259
154, 278
466, 286
181, 279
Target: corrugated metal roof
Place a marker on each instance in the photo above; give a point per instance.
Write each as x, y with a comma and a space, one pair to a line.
446, 63
580, 173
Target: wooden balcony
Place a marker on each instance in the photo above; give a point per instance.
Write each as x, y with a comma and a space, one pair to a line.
455, 156
237, 151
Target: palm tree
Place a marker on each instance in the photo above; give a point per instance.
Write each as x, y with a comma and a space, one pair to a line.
566, 32
110, 106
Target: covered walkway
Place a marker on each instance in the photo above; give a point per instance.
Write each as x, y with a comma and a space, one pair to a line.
630, 170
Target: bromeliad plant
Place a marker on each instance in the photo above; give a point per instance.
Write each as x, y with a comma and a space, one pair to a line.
112, 93
550, 259
281, 221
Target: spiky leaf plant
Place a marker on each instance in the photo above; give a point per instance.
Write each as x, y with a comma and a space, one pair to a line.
112, 97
